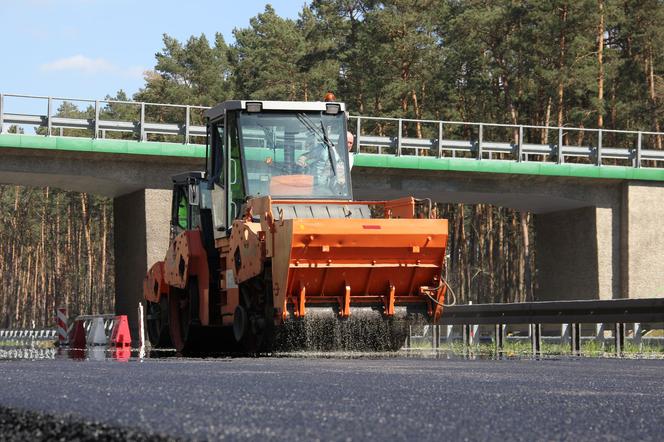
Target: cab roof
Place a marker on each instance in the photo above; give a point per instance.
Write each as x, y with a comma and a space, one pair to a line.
305, 106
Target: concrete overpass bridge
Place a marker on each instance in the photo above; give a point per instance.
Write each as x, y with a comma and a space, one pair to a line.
596, 194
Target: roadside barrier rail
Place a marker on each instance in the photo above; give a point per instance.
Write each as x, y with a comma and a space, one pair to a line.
373, 135
570, 314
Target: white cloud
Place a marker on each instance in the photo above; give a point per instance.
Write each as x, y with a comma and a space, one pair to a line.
79, 63
86, 65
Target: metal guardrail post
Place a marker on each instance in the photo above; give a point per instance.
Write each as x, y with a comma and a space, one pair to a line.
2, 111
560, 158
536, 339
465, 333
410, 332
499, 338
619, 338
142, 122
519, 151
636, 335
564, 334
187, 115
435, 341
96, 134
639, 145
399, 135
48, 116
599, 334
358, 133
599, 148
448, 333
479, 141
575, 341
440, 139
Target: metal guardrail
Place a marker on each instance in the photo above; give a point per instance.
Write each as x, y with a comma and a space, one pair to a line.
99, 126
449, 139
571, 314
557, 312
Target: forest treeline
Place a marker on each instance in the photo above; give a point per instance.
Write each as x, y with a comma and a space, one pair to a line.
583, 63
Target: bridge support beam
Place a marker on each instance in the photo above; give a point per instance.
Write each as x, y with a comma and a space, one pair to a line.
141, 233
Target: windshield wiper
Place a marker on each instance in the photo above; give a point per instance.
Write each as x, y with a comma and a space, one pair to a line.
321, 134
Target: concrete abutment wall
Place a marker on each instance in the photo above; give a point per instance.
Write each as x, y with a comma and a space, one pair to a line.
642, 240
141, 231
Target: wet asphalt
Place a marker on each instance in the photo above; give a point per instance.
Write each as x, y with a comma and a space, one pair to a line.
303, 398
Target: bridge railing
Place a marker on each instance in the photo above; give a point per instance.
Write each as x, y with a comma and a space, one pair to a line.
100, 121
519, 143
374, 135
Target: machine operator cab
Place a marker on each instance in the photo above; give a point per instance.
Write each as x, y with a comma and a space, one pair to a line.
288, 150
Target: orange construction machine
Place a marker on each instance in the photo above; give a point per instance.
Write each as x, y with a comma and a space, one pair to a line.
269, 251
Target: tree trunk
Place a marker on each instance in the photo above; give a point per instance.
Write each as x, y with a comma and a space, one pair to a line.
561, 64
600, 64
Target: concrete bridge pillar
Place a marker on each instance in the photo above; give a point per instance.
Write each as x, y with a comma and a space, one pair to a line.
578, 254
642, 239
141, 223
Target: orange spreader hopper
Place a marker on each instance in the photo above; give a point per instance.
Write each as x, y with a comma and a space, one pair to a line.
379, 263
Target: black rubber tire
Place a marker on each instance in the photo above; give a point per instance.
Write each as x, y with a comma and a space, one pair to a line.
256, 299
183, 325
156, 321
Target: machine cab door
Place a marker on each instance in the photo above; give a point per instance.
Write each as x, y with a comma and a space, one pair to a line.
217, 171
236, 187
185, 211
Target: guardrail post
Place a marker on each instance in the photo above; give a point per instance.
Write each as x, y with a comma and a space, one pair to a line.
435, 340
186, 125
619, 338
499, 338
440, 139
465, 333
564, 334
2, 111
536, 339
519, 148
410, 332
599, 147
639, 145
358, 132
599, 334
575, 341
448, 333
399, 135
636, 335
561, 158
142, 122
96, 134
479, 141
48, 116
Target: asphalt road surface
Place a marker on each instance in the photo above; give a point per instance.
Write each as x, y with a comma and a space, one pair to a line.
344, 399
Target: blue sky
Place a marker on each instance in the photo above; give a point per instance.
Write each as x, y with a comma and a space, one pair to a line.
91, 48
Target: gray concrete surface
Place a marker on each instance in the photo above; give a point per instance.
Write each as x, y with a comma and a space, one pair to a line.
110, 175
642, 240
352, 399
566, 260
141, 228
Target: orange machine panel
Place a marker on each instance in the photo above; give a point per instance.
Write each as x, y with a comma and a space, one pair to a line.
186, 257
358, 261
